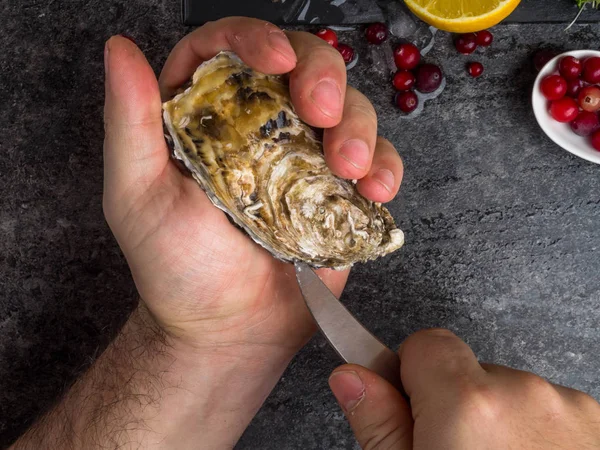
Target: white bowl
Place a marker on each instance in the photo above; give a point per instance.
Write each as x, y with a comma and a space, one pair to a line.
561, 133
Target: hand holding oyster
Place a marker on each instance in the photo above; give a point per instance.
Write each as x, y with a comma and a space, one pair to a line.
237, 132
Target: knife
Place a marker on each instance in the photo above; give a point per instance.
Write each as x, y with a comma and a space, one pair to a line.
348, 337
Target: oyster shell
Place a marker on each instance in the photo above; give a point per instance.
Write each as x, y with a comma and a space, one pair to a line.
236, 131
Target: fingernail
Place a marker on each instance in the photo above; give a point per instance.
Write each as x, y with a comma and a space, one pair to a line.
328, 98
126, 36
348, 389
356, 152
280, 43
385, 177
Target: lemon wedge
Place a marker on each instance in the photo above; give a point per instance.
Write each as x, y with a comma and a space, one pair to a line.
462, 16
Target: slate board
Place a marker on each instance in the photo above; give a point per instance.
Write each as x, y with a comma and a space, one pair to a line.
196, 12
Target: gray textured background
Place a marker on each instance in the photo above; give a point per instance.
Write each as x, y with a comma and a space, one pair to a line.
502, 226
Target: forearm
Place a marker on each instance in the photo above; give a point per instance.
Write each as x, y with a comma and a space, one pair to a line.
146, 392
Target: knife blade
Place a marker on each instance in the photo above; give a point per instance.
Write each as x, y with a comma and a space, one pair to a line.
348, 337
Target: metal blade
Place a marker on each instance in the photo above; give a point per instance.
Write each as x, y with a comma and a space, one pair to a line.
350, 339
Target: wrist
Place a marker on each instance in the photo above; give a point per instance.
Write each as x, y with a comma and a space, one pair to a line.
253, 337
213, 388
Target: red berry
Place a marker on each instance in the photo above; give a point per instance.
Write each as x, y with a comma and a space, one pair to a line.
591, 70
564, 110
475, 69
429, 78
485, 38
466, 43
347, 52
542, 57
328, 36
589, 98
596, 140
404, 80
570, 68
377, 33
554, 87
574, 87
407, 56
407, 101
585, 123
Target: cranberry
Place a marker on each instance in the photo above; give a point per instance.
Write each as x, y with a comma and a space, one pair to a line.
589, 98
591, 70
574, 87
596, 140
407, 101
466, 43
485, 38
542, 57
328, 36
564, 110
347, 52
404, 80
377, 33
429, 78
570, 68
475, 69
407, 56
586, 123
554, 87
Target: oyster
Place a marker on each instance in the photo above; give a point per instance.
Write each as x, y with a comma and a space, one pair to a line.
237, 132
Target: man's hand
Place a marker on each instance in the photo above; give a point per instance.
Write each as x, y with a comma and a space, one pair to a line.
458, 404
204, 281
220, 318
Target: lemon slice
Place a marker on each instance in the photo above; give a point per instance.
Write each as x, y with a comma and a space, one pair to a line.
462, 16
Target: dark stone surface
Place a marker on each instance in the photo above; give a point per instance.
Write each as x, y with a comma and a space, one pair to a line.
502, 226
196, 12
554, 11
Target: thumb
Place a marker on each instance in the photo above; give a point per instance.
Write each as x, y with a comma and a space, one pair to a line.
377, 412
135, 152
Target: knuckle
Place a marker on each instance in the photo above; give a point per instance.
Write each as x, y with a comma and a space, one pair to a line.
417, 340
586, 402
385, 147
323, 52
269, 28
539, 390
536, 386
476, 403
383, 141
362, 110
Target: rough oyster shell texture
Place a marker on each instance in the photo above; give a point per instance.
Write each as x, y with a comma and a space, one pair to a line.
237, 132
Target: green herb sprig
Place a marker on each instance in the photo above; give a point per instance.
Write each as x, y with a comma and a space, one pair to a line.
581, 4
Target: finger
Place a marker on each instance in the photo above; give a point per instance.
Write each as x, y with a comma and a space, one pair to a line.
318, 83
435, 366
135, 152
379, 416
382, 182
350, 145
334, 279
260, 44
